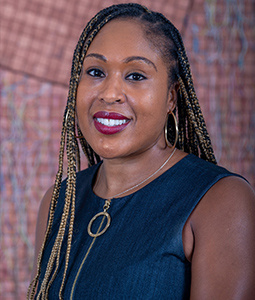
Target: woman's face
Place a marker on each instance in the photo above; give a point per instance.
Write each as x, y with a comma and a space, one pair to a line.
123, 96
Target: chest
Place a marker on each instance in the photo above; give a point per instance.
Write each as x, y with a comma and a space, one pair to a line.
140, 254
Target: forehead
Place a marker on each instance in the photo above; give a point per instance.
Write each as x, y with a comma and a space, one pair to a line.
123, 37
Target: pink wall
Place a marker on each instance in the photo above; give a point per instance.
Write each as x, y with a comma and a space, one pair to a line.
37, 41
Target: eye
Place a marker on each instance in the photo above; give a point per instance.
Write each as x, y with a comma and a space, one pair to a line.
136, 77
95, 73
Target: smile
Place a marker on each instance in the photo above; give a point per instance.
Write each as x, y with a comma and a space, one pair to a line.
110, 122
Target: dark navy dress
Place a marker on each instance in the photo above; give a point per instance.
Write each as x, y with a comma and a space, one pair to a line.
141, 254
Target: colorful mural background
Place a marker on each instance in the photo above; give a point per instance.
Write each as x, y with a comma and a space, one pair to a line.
37, 39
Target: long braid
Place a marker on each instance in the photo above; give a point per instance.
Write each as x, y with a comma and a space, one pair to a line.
55, 195
193, 135
196, 123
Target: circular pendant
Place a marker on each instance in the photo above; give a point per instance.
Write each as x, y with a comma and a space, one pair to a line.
105, 214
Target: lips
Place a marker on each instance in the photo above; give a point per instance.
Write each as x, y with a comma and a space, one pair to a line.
110, 122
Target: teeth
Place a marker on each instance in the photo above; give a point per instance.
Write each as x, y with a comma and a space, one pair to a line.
111, 122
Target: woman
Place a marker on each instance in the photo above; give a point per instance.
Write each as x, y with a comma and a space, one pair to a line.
149, 221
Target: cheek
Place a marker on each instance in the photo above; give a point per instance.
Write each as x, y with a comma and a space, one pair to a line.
82, 109
154, 104
154, 110
83, 102
151, 119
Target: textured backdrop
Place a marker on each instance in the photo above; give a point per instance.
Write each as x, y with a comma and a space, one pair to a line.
37, 39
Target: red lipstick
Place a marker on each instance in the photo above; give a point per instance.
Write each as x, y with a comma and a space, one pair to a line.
110, 122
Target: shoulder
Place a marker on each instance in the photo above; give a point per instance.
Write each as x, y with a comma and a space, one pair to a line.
195, 177
229, 195
41, 224
201, 171
223, 225
228, 206
219, 187
196, 163
81, 177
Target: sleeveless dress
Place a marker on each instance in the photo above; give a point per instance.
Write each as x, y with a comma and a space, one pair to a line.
141, 254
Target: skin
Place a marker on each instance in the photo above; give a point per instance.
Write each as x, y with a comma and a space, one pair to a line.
218, 237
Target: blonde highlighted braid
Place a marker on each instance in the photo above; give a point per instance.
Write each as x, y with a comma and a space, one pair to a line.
193, 136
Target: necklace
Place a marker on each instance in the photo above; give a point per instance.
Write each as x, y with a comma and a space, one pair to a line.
106, 206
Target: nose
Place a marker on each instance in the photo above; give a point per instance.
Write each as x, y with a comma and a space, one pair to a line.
112, 90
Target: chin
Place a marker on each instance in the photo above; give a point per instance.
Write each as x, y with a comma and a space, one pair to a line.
106, 152
112, 153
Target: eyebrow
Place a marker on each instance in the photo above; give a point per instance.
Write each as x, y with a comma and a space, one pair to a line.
126, 60
96, 55
146, 60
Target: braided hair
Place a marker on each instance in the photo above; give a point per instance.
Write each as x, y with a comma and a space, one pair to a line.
193, 136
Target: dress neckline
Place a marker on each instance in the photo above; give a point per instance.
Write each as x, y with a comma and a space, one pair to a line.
171, 169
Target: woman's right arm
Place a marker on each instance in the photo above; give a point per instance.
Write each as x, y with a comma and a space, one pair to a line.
41, 225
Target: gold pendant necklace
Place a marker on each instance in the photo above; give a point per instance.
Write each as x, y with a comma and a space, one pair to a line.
106, 206
103, 213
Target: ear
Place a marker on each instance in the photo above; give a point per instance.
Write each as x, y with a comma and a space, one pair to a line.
172, 96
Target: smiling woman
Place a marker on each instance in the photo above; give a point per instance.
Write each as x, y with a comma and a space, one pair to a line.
152, 217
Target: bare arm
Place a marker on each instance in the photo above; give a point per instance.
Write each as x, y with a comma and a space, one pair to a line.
223, 264
41, 225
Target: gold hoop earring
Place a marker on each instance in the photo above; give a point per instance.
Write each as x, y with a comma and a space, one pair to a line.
176, 131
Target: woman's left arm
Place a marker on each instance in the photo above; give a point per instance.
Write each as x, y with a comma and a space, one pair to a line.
223, 225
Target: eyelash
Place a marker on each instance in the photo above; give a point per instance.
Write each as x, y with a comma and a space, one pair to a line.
100, 74
97, 73
141, 77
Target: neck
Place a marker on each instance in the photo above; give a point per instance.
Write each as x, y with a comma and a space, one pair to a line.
118, 175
